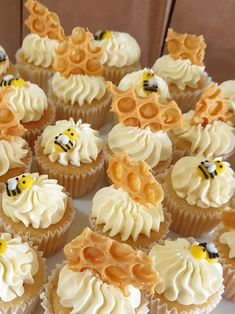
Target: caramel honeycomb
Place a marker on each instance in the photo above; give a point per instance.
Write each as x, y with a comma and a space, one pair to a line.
228, 218
43, 22
135, 178
211, 106
186, 46
115, 263
76, 55
143, 112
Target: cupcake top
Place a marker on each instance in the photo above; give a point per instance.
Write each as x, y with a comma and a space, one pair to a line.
4, 61
145, 82
71, 142
227, 236
228, 91
190, 272
18, 265
203, 182
33, 199
119, 49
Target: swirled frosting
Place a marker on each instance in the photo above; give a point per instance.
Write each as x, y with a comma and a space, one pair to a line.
185, 279
78, 89
228, 91
4, 65
121, 49
37, 50
214, 139
198, 191
121, 215
85, 293
18, 265
135, 79
140, 144
181, 73
41, 205
228, 238
86, 149
12, 153
29, 101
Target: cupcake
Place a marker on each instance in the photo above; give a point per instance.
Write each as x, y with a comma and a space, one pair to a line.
78, 88
191, 276
183, 68
224, 239
30, 102
38, 208
36, 55
207, 130
197, 190
22, 275
130, 210
6, 67
142, 129
228, 92
120, 56
100, 275
15, 156
71, 152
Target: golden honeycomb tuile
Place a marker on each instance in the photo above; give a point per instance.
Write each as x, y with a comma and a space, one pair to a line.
228, 218
186, 46
43, 22
113, 262
211, 106
144, 112
135, 178
76, 55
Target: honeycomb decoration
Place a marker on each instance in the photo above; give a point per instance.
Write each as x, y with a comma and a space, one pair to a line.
211, 106
9, 120
144, 112
76, 55
186, 46
228, 218
43, 22
113, 262
135, 178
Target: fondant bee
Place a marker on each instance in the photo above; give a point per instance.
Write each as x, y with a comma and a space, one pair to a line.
206, 251
64, 142
210, 169
100, 35
149, 82
15, 186
10, 80
3, 56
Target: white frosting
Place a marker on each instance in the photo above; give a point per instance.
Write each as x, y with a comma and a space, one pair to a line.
185, 279
121, 215
140, 144
135, 79
228, 238
228, 92
12, 153
85, 293
18, 265
180, 72
41, 205
86, 149
121, 49
37, 50
4, 65
78, 89
199, 191
29, 101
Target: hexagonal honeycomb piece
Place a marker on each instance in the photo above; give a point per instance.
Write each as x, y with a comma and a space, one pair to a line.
144, 112
76, 55
115, 263
43, 22
186, 46
228, 218
211, 106
135, 178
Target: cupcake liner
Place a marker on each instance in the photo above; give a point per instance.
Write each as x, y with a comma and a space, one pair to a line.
49, 240
143, 242
76, 180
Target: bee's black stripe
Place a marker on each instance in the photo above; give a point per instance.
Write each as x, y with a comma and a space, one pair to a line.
8, 192
203, 171
18, 190
64, 149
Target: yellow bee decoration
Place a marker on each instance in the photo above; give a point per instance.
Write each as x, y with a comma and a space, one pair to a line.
100, 35
15, 186
64, 142
3, 246
10, 80
205, 251
149, 82
210, 169
3, 56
